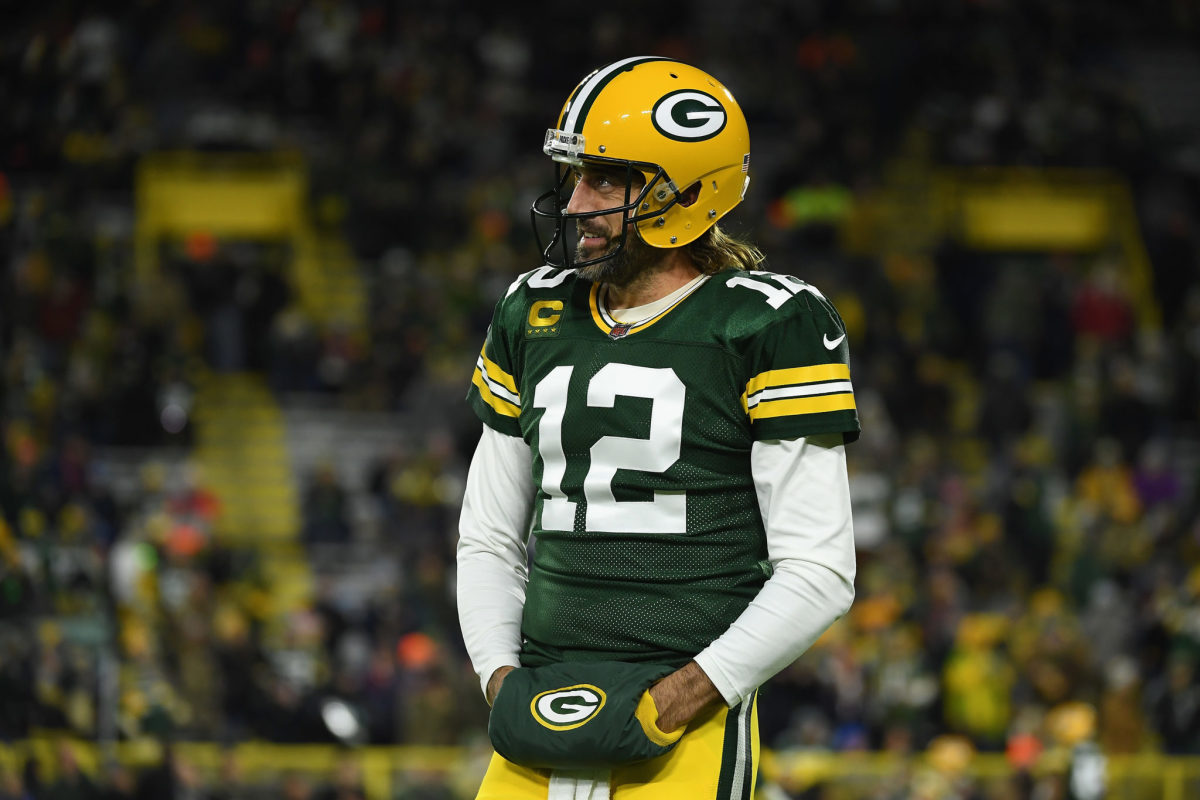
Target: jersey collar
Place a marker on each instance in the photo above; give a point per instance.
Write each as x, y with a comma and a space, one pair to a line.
615, 329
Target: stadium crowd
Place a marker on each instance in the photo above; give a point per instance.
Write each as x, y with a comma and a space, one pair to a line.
1026, 511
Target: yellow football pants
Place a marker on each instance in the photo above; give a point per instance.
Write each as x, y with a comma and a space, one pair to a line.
717, 759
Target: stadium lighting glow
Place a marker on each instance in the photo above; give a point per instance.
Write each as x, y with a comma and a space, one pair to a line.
341, 720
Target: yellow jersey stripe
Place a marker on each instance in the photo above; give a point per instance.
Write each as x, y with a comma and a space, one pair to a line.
496, 374
786, 377
498, 404
795, 406
594, 304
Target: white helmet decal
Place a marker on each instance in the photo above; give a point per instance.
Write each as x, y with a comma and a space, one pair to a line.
689, 115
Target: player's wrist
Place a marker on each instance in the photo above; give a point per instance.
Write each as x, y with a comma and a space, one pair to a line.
682, 695
494, 682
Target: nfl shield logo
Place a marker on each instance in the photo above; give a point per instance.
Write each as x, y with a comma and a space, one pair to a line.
619, 330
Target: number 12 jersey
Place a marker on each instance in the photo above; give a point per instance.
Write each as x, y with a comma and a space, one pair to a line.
649, 540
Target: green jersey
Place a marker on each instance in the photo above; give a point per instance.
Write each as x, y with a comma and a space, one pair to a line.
649, 541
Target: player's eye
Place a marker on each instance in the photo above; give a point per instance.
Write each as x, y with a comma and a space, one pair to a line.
598, 180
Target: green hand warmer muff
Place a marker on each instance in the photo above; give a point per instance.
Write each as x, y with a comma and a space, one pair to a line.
579, 715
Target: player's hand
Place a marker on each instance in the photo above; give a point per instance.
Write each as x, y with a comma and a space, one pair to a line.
682, 695
493, 687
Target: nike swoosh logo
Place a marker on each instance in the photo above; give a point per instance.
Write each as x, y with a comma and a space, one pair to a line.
832, 343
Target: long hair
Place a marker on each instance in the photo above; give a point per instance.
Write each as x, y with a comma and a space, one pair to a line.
717, 250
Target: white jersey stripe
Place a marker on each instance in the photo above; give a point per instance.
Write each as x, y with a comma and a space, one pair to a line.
582, 100
742, 756
833, 387
497, 389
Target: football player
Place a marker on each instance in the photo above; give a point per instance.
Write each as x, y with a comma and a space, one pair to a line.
657, 515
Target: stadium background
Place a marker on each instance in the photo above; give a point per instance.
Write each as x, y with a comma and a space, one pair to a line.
250, 250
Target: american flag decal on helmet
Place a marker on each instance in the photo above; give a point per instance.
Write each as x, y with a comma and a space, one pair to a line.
746, 163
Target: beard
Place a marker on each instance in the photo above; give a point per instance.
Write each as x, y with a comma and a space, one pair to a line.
621, 268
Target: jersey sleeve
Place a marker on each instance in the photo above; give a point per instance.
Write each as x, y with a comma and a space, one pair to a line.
493, 393
798, 368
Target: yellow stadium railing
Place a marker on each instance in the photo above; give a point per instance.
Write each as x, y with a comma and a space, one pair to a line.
386, 773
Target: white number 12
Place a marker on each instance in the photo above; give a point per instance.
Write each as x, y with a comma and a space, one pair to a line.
667, 512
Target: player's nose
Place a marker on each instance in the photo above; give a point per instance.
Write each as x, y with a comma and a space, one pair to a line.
583, 198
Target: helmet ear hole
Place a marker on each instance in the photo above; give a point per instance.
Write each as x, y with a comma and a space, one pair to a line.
689, 195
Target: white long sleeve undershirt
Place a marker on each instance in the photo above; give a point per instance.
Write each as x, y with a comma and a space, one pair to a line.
803, 495
492, 558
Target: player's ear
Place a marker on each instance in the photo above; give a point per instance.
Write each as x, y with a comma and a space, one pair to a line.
688, 196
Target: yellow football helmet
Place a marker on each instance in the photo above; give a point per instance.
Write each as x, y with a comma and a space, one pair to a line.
676, 125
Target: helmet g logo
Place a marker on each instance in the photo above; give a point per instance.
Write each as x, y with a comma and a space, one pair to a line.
688, 115
567, 708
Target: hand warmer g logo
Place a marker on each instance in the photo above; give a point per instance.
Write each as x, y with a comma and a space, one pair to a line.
568, 707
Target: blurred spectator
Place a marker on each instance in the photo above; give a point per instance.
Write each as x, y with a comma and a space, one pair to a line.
295, 786
1174, 704
346, 785
70, 782
12, 786
325, 512
119, 782
978, 683
173, 777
